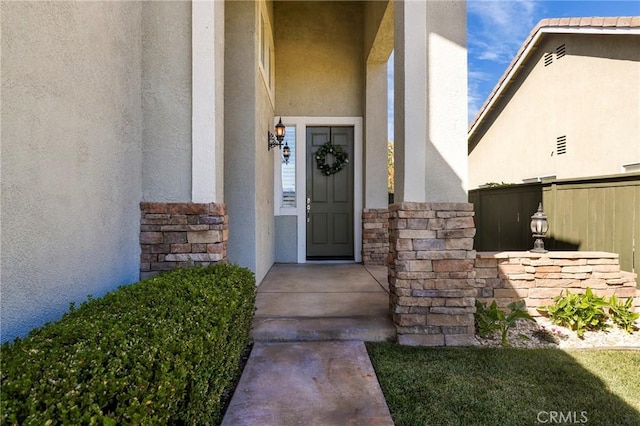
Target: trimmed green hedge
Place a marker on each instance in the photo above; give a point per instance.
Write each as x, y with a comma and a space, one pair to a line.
163, 350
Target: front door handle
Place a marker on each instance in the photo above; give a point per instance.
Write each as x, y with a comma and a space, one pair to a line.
308, 210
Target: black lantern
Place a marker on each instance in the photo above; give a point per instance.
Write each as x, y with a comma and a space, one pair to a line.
539, 227
286, 153
276, 140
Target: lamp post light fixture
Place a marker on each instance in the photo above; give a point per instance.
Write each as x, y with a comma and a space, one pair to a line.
539, 227
276, 140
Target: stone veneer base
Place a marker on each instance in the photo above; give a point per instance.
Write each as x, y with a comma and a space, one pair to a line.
431, 276
375, 236
180, 235
537, 278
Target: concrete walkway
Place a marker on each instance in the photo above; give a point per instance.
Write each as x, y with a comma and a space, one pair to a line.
309, 365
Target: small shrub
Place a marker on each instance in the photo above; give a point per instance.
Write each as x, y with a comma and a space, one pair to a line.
486, 319
159, 351
582, 312
621, 314
492, 319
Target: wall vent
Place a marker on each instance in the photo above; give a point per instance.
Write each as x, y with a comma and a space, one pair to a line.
561, 51
561, 145
548, 59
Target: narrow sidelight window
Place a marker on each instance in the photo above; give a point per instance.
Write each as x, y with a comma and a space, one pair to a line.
288, 170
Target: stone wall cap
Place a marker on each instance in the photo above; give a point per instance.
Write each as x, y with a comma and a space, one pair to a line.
548, 255
409, 205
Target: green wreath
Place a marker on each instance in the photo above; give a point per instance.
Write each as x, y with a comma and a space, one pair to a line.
339, 154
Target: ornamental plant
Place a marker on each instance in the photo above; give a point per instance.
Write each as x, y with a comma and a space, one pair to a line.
621, 314
489, 320
578, 312
161, 351
590, 312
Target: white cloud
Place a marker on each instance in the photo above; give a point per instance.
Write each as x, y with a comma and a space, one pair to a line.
475, 98
496, 30
501, 27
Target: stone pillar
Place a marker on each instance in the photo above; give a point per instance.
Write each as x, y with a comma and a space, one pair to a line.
180, 235
375, 236
431, 273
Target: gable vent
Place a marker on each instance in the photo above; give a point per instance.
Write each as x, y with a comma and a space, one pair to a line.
561, 51
561, 145
548, 59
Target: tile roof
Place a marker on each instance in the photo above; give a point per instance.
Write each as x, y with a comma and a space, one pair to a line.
548, 25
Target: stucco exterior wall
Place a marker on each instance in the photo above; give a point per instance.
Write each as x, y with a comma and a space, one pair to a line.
239, 121
591, 95
71, 174
166, 101
286, 231
378, 30
248, 165
378, 45
264, 212
430, 66
319, 58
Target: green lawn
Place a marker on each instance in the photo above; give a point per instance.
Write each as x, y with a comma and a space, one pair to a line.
506, 386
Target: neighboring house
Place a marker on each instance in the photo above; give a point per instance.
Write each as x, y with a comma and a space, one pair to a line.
134, 137
568, 106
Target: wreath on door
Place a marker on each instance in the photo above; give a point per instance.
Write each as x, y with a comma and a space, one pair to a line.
340, 155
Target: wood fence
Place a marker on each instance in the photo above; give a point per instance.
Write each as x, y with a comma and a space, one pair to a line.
591, 214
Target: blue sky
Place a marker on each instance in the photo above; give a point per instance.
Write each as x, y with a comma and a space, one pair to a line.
497, 28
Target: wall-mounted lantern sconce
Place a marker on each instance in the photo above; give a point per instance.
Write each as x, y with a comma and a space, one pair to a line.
276, 140
286, 153
539, 227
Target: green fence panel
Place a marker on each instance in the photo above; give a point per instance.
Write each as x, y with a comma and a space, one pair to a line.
502, 216
591, 214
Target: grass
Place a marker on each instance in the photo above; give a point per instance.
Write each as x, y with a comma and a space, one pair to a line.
507, 386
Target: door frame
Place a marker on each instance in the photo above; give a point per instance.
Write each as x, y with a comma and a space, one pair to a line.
301, 124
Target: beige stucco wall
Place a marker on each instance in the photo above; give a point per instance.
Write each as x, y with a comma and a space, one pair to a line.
265, 222
166, 101
430, 101
378, 30
378, 45
248, 181
319, 58
71, 173
591, 95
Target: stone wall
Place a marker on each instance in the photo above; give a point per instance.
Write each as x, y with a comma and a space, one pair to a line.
538, 278
181, 234
431, 276
375, 236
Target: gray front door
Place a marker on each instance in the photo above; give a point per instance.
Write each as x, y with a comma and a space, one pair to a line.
329, 198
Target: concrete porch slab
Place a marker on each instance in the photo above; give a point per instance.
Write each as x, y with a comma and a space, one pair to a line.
322, 302
341, 304
320, 278
311, 383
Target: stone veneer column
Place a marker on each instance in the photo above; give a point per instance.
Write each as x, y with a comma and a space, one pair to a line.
431, 275
375, 236
180, 235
